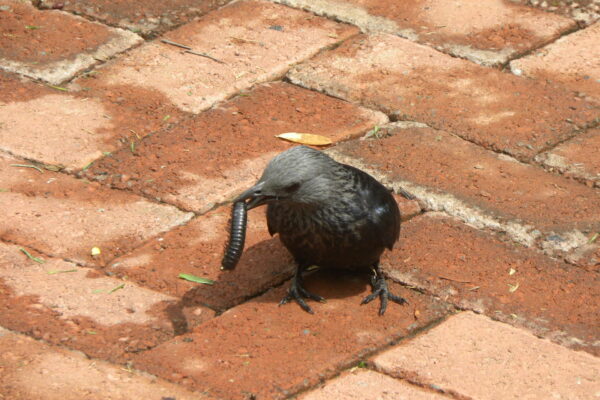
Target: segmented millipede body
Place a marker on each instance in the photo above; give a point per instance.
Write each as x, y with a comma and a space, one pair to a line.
237, 236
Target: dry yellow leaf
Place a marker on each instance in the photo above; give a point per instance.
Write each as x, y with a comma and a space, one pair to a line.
95, 251
305, 138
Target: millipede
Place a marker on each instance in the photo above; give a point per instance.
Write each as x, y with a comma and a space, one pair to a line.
237, 236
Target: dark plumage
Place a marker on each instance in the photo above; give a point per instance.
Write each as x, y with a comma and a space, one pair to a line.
327, 214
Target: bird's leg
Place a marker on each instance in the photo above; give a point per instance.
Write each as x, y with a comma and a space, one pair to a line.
380, 288
298, 293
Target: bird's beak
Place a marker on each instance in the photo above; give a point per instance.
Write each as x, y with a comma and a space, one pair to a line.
255, 195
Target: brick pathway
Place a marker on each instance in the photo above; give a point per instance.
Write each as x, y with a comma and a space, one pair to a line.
110, 138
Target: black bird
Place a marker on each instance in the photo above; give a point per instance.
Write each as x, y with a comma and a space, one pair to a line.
327, 214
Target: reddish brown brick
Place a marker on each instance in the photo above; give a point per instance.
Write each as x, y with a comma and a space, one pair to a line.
473, 357
105, 317
489, 32
250, 42
502, 112
486, 188
148, 18
271, 352
475, 270
573, 60
206, 160
65, 217
34, 370
197, 249
577, 158
55, 46
72, 129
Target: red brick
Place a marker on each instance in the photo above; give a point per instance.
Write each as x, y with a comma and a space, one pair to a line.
485, 188
473, 357
475, 270
576, 158
148, 18
207, 160
573, 60
105, 317
241, 37
65, 217
72, 129
34, 370
369, 385
197, 248
502, 112
489, 32
55, 46
272, 352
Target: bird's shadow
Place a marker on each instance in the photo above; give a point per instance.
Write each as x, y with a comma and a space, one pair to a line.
275, 269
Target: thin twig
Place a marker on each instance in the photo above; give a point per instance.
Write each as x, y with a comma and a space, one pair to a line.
183, 46
204, 55
453, 280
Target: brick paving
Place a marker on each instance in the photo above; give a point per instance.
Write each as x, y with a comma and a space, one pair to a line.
110, 138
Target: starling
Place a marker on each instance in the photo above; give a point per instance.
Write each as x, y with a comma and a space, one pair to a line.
327, 214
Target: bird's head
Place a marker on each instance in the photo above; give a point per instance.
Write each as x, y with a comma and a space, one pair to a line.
299, 175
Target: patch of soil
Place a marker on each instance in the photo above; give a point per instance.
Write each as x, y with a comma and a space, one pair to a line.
29, 35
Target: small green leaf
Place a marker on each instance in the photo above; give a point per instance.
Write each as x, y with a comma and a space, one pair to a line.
28, 166
166, 118
121, 286
593, 239
58, 88
132, 146
60, 271
36, 259
32, 27
197, 279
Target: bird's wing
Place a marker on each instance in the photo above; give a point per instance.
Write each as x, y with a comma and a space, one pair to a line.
383, 212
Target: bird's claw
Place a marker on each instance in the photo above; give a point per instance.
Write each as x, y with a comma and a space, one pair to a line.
380, 288
298, 294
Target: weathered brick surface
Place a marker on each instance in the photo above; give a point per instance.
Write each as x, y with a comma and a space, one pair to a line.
105, 317
505, 113
62, 216
148, 18
207, 160
54, 46
489, 32
197, 249
34, 370
255, 41
477, 271
573, 60
271, 352
577, 157
71, 129
369, 385
474, 357
486, 189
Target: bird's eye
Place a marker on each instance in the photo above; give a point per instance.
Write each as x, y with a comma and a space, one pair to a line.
291, 188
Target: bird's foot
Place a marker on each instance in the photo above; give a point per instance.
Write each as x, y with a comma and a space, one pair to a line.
380, 288
298, 293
